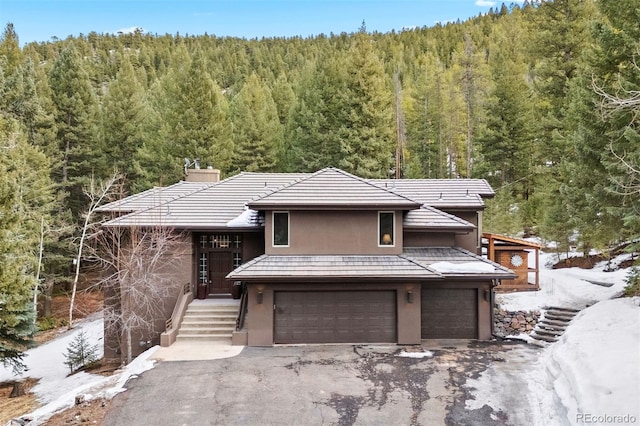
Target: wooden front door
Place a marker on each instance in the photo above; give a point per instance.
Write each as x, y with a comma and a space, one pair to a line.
221, 263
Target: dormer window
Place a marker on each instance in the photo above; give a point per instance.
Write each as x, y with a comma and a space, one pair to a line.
386, 225
280, 229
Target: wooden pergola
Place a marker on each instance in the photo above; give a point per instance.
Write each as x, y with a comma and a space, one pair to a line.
513, 253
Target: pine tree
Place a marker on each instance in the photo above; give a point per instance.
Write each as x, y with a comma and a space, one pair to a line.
368, 134
25, 197
10, 49
124, 120
257, 132
602, 208
75, 105
80, 352
424, 118
194, 123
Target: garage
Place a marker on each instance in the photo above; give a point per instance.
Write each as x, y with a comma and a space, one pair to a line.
449, 313
335, 317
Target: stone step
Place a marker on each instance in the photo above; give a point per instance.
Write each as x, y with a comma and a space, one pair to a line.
551, 327
559, 318
200, 312
550, 333
558, 308
204, 337
191, 322
551, 322
562, 314
212, 316
543, 338
205, 330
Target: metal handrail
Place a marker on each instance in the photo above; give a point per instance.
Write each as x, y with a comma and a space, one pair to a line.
243, 308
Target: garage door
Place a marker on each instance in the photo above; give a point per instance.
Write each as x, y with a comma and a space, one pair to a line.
335, 317
449, 313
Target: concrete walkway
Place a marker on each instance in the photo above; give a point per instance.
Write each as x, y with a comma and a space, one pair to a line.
196, 351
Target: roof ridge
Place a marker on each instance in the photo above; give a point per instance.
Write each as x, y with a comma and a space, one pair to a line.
337, 170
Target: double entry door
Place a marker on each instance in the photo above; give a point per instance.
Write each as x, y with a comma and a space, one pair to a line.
218, 254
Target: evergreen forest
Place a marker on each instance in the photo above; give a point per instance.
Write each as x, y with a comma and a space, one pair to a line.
542, 100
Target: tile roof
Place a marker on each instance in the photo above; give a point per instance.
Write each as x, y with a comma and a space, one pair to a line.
441, 193
413, 263
431, 218
293, 267
333, 188
153, 197
210, 207
429, 256
201, 205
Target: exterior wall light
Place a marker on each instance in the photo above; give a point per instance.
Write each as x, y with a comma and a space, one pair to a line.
260, 297
409, 296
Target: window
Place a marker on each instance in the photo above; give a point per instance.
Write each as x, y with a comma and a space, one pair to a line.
280, 229
386, 222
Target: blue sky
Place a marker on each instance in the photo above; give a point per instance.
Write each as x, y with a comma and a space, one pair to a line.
40, 20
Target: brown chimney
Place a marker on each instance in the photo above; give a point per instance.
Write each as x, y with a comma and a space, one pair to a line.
209, 174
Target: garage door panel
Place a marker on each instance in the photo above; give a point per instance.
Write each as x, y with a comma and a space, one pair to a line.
335, 317
449, 313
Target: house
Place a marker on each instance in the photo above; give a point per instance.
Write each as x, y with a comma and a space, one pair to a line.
329, 257
516, 254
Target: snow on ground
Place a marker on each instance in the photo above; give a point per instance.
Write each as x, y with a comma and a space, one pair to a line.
591, 375
569, 287
595, 367
56, 389
593, 371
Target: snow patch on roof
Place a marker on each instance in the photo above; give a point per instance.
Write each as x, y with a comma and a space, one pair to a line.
464, 267
247, 219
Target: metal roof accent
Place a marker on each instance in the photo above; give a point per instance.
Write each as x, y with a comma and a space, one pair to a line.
333, 267
431, 218
431, 255
441, 193
333, 188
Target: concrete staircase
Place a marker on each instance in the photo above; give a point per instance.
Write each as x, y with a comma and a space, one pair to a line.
553, 324
209, 320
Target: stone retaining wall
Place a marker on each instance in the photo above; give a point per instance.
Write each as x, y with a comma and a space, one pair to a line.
507, 323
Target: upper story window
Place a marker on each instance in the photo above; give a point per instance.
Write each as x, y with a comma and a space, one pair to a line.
280, 229
386, 226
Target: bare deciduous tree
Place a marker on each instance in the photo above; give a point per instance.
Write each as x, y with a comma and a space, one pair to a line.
139, 267
98, 193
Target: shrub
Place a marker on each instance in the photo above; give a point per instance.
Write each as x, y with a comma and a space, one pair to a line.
633, 282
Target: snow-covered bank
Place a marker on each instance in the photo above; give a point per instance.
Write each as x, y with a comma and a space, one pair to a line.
56, 390
595, 367
47, 362
570, 287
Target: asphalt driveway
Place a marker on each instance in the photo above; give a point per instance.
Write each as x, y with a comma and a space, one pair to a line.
320, 385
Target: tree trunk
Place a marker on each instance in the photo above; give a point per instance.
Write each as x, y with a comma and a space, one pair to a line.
45, 297
18, 390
